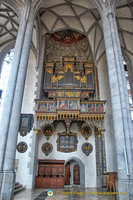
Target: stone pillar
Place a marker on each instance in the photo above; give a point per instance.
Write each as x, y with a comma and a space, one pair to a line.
5, 118
104, 168
120, 106
98, 158
8, 167
41, 69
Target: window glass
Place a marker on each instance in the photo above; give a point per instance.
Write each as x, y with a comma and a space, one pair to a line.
4, 76
129, 89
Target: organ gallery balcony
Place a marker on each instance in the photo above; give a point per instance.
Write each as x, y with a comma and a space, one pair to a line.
71, 108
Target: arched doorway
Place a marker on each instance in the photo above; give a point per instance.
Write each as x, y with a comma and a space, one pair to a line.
67, 174
74, 172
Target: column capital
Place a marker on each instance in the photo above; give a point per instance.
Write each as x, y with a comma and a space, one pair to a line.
108, 11
111, 14
36, 131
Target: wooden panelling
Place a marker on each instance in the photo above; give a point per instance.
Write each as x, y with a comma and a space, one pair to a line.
50, 174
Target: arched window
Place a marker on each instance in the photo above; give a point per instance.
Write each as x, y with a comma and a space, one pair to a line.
4, 76
128, 88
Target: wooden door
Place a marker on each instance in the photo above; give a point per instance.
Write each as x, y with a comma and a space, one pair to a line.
76, 174
67, 174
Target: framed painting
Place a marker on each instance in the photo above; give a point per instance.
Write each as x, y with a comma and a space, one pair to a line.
99, 107
42, 107
63, 104
26, 122
91, 107
67, 143
74, 105
83, 107
52, 107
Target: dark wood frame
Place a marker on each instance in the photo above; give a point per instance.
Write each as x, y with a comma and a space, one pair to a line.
28, 122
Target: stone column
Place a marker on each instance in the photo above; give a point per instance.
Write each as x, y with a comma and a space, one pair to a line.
98, 158
8, 168
5, 118
120, 106
41, 69
103, 159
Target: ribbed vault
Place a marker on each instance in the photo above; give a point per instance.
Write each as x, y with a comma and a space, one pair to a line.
81, 16
124, 17
9, 24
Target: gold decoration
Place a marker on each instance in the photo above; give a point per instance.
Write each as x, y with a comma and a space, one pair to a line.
76, 114
99, 135
86, 132
88, 72
59, 94
48, 131
83, 79
49, 64
54, 79
36, 131
69, 66
60, 77
49, 71
69, 58
61, 72
77, 77
69, 94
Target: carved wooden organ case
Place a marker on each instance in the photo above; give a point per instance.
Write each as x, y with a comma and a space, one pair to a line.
71, 77
70, 91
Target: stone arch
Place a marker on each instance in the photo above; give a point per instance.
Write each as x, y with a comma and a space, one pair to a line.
82, 169
75, 125
98, 125
13, 5
60, 124
37, 5
115, 4
4, 52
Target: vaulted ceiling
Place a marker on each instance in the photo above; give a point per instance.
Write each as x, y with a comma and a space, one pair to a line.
124, 17
9, 24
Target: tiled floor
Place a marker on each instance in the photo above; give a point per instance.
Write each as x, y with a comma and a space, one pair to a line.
66, 194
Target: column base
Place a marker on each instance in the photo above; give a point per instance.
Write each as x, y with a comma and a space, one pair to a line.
124, 189
99, 181
7, 188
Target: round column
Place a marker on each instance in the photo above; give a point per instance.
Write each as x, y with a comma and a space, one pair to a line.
8, 167
5, 118
120, 106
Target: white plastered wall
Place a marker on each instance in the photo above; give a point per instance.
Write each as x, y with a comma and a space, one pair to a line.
105, 95
23, 175
89, 161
